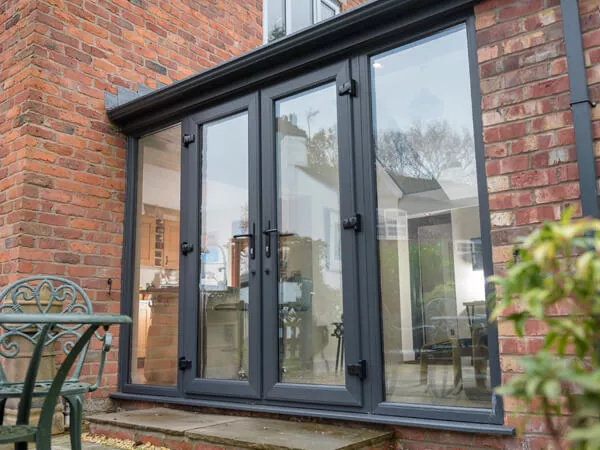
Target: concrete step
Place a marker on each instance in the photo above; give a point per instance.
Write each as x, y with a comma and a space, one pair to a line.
175, 429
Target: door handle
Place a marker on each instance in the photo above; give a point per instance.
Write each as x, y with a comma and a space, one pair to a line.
268, 232
186, 248
251, 240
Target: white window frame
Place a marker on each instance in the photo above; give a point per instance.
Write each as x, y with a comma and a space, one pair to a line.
316, 14
317, 11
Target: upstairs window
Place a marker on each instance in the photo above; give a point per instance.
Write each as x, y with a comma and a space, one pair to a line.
283, 17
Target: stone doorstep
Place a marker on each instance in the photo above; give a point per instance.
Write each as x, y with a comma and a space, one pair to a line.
183, 429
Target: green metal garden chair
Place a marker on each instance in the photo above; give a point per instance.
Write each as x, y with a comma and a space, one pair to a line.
49, 295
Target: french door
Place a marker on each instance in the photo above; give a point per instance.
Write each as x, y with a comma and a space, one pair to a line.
269, 271
308, 276
221, 320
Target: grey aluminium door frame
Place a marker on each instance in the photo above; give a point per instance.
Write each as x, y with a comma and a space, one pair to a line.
191, 232
349, 395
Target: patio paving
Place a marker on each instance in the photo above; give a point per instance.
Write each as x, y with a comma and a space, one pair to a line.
182, 429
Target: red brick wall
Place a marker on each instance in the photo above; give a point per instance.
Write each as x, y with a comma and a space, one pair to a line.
590, 24
529, 143
349, 4
63, 163
16, 56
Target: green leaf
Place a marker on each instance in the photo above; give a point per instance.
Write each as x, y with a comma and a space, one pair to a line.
551, 389
591, 433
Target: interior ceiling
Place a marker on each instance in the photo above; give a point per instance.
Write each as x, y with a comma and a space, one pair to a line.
163, 148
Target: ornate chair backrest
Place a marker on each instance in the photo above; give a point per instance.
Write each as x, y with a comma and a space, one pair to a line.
441, 319
42, 295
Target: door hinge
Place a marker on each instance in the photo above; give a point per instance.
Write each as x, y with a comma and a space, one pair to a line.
352, 223
358, 370
188, 139
186, 248
184, 363
348, 88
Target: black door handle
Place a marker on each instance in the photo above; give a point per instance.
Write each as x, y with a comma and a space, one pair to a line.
251, 240
186, 248
268, 232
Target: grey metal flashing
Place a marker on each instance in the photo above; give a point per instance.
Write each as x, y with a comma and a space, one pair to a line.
580, 106
124, 95
446, 425
329, 39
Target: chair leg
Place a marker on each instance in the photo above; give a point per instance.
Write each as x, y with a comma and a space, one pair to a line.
18, 445
2, 408
76, 419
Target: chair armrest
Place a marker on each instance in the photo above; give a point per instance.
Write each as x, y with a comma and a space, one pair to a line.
107, 344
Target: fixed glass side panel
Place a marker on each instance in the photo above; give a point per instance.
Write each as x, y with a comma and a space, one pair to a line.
225, 250
311, 342
432, 282
156, 273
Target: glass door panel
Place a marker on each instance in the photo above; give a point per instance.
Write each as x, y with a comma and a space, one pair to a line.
222, 317
224, 274
310, 254
309, 280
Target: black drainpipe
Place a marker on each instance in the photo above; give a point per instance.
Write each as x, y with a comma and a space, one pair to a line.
580, 105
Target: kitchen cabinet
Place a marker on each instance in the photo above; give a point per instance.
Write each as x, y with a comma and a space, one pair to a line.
147, 241
171, 253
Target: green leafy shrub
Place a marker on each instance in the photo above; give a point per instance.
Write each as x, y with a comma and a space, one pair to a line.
556, 283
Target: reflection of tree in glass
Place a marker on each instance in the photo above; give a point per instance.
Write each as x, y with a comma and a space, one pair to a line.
323, 148
276, 33
309, 116
244, 219
427, 150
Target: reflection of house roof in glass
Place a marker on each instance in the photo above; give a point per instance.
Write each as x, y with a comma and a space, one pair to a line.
411, 185
286, 128
326, 175
329, 176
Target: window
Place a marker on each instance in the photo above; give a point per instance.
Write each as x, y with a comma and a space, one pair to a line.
282, 17
340, 243
156, 277
432, 285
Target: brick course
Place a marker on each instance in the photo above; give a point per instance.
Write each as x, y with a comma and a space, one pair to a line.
62, 163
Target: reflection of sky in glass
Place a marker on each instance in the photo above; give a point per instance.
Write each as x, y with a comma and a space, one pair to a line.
227, 138
311, 109
224, 178
426, 80
418, 88
301, 15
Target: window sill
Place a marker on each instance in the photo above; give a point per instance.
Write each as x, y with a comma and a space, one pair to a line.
445, 425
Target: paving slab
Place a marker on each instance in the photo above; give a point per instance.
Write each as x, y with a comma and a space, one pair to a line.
270, 434
164, 420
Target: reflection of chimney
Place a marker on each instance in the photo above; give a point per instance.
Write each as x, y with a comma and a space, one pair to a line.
294, 119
